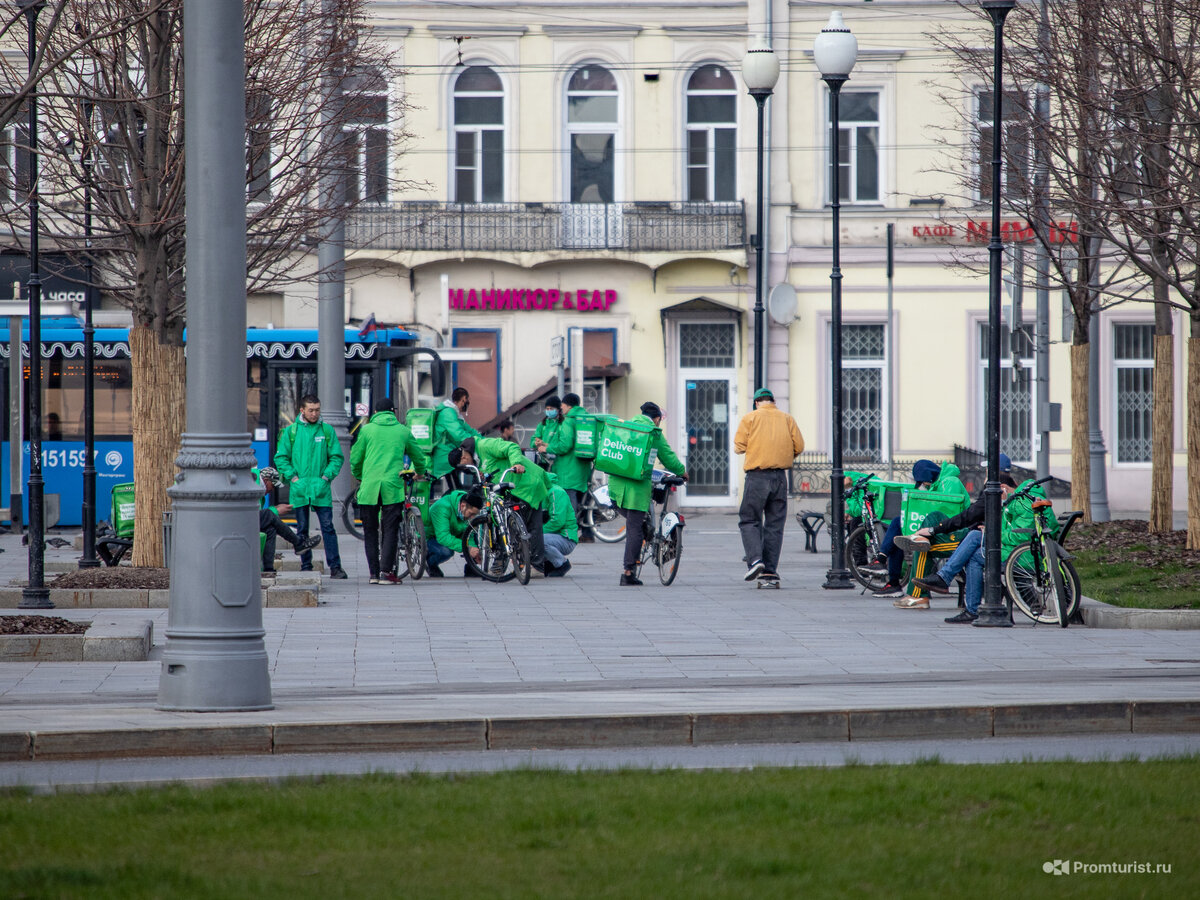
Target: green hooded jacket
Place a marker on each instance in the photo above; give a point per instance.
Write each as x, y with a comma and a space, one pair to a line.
1016, 520
630, 493
377, 458
948, 482
545, 431
562, 515
312, 455
449, 430
496, 454
446, 525
573, 473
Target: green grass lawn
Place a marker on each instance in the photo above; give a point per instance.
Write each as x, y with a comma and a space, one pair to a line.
930, 830
1167, 585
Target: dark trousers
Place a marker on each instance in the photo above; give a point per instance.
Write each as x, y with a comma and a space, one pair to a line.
762, 516
585, 534
635, 524
271, 525
381, 548
329, 541
534, 520
895, 556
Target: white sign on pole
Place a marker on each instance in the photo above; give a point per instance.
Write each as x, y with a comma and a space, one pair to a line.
556, 350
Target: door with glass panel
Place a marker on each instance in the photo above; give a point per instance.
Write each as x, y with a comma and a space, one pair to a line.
593, 219
706, 410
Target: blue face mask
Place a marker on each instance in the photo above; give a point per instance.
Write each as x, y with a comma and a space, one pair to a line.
552, 414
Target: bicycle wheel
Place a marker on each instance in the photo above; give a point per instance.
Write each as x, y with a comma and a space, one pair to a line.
670, 548
495, 562
1032, 587
412, 541
865, 573
518, 542
350, 518
602, 517
1057, 581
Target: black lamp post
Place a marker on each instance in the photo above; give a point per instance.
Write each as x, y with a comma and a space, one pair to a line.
88, 560
760, 71
35, 595
835, 51
992, 612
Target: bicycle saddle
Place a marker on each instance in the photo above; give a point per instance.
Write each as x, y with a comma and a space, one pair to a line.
1041, 504
672, 479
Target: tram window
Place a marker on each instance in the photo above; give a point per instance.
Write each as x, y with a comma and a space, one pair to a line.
62, 407
256, 408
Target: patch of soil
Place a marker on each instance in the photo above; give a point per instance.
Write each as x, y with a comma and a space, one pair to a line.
40, 625
118, 577
1130, 541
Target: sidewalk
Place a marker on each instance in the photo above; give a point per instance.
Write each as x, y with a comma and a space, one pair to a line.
582, 662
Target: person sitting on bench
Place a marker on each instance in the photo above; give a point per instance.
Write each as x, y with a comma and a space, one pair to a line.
271, 525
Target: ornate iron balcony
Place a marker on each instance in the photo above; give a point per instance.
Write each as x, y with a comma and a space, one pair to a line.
531, 227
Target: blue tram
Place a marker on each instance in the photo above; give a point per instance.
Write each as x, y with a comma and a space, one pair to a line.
281, 367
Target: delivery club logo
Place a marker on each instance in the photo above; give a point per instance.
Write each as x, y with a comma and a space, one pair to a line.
1057, 867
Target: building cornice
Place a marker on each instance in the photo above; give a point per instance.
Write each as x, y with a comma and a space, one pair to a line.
593, 30
481, 30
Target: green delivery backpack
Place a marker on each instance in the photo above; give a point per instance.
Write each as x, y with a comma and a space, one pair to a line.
624, 449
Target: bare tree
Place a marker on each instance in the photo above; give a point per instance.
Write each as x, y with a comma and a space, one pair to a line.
118, 93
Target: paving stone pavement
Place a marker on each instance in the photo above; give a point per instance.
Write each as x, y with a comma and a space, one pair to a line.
456, 649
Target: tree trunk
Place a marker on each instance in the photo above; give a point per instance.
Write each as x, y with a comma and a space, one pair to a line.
1081, 485
1193, 437
1162, 498
158, 413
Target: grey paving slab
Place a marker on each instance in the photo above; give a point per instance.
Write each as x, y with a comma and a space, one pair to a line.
709, 644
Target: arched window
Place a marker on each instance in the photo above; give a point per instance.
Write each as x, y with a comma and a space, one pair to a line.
711, 134
592, 134
478, 136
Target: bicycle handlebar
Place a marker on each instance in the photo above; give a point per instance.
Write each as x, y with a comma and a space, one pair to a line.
1024, 492
857, 486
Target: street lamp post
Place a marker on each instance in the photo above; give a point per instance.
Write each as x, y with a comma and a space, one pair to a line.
992, 612
35, 595
834, 52
88, 560
760, 71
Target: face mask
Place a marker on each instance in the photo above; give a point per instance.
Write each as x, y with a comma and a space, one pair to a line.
552, 414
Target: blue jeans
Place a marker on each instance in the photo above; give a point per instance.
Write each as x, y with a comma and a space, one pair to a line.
558, 548
328, 536
969, 557
435, 553
895, 556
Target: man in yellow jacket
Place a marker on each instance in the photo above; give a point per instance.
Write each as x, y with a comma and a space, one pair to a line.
771, 441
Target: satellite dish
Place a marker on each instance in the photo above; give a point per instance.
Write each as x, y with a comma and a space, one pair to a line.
782, 303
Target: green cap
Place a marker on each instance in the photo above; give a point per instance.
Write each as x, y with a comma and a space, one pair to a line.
764, 394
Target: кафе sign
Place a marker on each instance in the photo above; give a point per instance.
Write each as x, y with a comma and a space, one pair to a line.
1011, 231
547, 299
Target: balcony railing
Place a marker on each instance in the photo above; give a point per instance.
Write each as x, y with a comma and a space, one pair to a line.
638, 226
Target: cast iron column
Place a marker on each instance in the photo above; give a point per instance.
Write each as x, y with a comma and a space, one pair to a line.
215, 658
35, 595
760, 269
838, 576
992, 612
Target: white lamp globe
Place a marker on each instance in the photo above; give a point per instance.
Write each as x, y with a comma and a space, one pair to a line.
835, 48
760, 66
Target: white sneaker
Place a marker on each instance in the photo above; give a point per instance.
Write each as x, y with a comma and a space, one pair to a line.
756, 569
373, 581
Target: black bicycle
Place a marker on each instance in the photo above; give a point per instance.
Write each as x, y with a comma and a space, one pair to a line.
864, 542
496, 546
663, 532
1039, 575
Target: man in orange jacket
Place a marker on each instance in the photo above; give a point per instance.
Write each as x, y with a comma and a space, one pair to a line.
771, 441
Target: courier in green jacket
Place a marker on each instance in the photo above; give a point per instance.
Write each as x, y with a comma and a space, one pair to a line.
632, 496
449, 521
561, 531
573, 473
450, 429
531, 484
376, 460
309, 456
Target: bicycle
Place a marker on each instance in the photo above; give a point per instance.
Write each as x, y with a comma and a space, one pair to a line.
864, 542
664, 542
411, 533
498, 534
597, 512
1039, 576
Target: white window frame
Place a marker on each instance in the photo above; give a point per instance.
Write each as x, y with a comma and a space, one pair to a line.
1028, 363
1117, 365
614, 128
359, 170
851, 179
885, 379
456, 129
710, 163
981, 167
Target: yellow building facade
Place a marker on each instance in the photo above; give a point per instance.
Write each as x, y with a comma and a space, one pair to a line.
587, 172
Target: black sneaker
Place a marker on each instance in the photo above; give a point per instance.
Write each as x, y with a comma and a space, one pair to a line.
468, 572
338, 572
756, 569
889, 590
434, 571
963, 618
934, 583
630, 581
306, 544
558, 571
